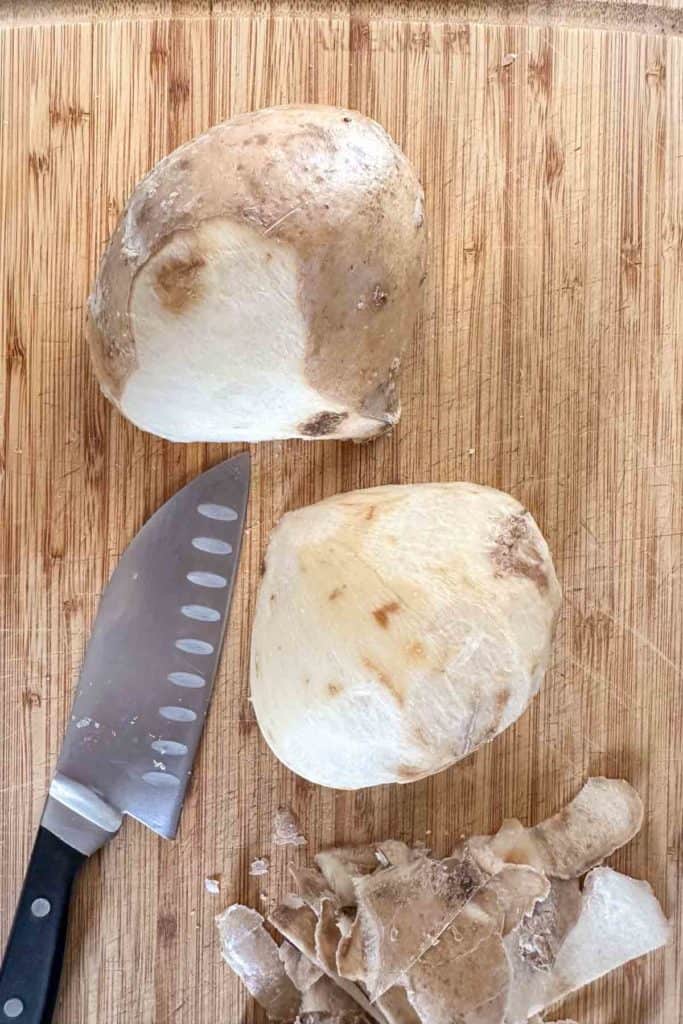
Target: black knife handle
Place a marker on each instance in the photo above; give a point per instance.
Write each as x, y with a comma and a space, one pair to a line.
32, 965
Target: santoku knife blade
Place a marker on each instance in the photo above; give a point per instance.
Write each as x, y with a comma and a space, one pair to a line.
142, 697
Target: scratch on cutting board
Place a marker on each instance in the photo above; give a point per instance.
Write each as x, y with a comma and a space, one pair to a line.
578, 766
646, 642
608, 684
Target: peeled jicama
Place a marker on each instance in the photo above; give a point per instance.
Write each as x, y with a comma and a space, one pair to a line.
263, 281
398, 628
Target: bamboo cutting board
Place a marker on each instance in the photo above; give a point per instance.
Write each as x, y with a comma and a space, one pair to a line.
546, 361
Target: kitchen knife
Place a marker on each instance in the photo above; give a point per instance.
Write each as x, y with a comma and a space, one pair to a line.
142, 697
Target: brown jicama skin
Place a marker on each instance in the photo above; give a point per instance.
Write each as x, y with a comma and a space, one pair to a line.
420, 900
532, 949
465, 971
603, 816
297, 922
310, 886
299, 969
326, 997
341, 866
396, 1007
493, 934
327, 935
468, 973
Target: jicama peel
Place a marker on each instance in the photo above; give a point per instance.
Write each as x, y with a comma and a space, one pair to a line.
619, 920
254, 956
399, 628
263, 282
489, 940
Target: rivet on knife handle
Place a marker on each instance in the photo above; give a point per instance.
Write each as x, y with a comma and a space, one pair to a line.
29, 977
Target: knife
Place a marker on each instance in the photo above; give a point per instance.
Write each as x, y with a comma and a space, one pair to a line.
137, 717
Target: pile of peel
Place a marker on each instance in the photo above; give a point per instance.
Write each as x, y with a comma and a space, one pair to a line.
493, 934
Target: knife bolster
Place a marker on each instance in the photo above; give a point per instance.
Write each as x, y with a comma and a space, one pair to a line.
78, 816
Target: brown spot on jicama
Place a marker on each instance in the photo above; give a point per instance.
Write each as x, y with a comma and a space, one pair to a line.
322, 423
334, 689
415, 650
410, 774
422, 737
384, 679
178, 281
334, 594
502, 697
369, 513
515, 552
145, 213
317, 135
381, 615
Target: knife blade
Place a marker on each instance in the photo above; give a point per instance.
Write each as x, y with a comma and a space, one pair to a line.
140, 705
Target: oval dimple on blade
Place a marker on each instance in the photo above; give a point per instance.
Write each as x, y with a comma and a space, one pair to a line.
223, 513
153, 653
191, 645
200, 612
213, 580
177, 714
189, 680
212, 545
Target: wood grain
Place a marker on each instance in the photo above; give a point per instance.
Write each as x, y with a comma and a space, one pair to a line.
547, 361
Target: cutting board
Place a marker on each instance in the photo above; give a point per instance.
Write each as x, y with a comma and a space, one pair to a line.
546, 361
